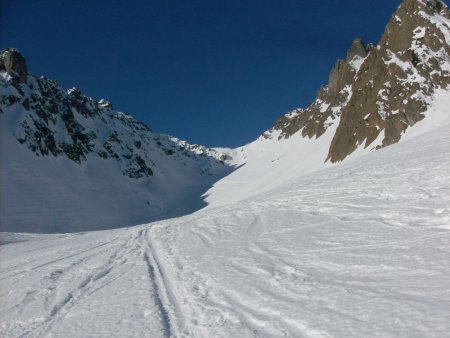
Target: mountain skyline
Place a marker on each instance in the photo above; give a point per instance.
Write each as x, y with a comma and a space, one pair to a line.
373, 98
227, 71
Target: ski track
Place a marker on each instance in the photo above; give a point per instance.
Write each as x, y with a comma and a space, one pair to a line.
155, 279
365, 256
61, 287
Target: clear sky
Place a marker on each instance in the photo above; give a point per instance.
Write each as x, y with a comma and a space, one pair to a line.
214, 72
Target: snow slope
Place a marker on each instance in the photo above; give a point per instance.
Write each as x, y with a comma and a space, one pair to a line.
361, 249
270, 162
125, 174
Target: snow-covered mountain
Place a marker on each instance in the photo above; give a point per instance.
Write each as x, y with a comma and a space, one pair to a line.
71, 163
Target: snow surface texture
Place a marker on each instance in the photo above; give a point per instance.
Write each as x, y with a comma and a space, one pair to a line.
361, 249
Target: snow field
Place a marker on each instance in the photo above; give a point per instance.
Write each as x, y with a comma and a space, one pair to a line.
360, 249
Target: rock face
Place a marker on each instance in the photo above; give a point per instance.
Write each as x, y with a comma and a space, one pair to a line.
14, 64
56, 123
379, 92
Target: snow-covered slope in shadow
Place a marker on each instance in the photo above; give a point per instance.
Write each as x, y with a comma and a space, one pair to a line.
356, 250
70, 163
47, 194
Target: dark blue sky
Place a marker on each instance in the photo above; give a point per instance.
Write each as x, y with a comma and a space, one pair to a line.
214, 72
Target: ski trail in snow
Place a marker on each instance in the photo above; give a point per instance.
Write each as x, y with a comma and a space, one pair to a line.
78, 253
173, 316
154, 274
359, 250
68, 285
92, 282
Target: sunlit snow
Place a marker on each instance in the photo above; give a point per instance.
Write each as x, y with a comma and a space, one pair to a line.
353, 250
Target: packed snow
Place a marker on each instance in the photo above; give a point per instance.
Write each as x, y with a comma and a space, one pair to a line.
357, 62
302, 249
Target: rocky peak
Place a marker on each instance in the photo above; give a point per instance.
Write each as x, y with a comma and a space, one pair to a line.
358, 49
396, 82
12, 62
376, 93
74, 92
315, 119
105, 105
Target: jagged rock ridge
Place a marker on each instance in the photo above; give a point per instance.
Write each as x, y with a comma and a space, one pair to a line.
67, 123
379, 92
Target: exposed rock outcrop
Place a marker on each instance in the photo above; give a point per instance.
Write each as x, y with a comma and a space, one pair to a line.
379, 92
55, 122
14, 64
330, 100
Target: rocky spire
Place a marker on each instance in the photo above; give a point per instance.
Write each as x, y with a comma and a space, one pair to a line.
358, 49
14, 64
398, 78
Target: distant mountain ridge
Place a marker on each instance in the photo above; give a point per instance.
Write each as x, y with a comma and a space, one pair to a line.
66, 129
66, 123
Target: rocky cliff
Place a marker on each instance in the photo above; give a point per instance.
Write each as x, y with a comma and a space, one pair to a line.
377, 92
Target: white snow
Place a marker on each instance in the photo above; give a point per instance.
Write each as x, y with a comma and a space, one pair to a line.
289, 246
440, 22
413, 75
437, 116
324, 107
55, 194
355, 250
419, 33
267, 164
357, 62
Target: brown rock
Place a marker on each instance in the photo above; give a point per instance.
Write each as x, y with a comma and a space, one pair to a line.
380, 90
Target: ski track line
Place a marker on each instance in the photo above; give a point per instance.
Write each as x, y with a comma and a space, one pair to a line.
52, 279
165, 318
172, 315
79, 252
91, 284
52, 253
